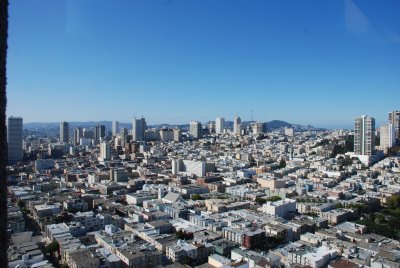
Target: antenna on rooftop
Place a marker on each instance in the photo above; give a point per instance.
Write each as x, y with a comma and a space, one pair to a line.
252, 115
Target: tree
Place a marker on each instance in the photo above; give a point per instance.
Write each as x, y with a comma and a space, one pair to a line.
21, 204
260, 200
393, 202
282, 163
197, 197
52, 247
273, 198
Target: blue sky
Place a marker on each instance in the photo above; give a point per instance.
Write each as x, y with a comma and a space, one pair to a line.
307, 62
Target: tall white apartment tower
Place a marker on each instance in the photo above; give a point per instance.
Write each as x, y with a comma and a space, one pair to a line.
105, 151
14, 139
195, 129
64, 132
394, 119
115, 128
237, 129
219, 125
364, 135
138, 129
387, 137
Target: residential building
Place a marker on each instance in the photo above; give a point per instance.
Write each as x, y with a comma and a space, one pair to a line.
394, 119
105, 151
387, 137
115, 128
78, 134
364, 135
219, 125
195, 130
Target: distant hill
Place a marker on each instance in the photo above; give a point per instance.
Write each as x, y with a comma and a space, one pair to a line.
274, 124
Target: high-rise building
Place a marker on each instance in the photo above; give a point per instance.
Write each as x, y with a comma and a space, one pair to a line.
364, 135
166, 135
64, 132
237, 128
115, 128
105, 151
259, 128
78, 134
177, 134
387, 137
219, 125
138, 129
211, 127
394, 119
195, 130
14, 139
99, 132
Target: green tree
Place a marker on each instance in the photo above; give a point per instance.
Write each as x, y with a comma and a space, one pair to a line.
260, 200
52, 247
393, 202
282, 163
273, 198
197, 197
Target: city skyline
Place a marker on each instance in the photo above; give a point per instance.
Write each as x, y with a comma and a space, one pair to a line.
303, 63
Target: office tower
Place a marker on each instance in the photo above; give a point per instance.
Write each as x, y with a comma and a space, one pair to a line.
14, 139
115, 128
105, 151
78, 134
394, 119
64, 132
219, 125
138, 129
99, 132
195, 130
364, 135
177, 134
387, 137
237, 129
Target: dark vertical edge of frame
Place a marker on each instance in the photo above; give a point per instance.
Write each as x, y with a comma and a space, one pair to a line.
3, 133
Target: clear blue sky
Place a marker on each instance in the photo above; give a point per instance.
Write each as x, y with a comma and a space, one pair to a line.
307, 62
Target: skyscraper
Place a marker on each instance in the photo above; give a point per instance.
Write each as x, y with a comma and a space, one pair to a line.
105, 151
99, 132
78, 134
14, 139
237, 129
64, 132
259, 128
138, 129
195, 130
387, 137
394, 119
219, 125
115, 128
364, 135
